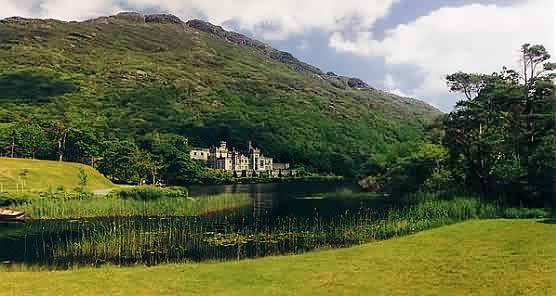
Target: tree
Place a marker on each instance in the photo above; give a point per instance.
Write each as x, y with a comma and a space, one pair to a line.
31, 139
83, 180
59, 130
423, 169
494, 135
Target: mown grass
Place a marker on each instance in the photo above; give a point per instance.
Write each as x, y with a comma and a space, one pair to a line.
486, 257
42, 175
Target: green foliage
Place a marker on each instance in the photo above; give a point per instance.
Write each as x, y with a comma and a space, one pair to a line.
150, 193
124, 96
17, 199
347, 194
33, 86
524, 213
74, 205
83, 179
421, 168
498, 138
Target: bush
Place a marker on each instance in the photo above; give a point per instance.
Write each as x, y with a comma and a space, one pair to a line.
147, 193
20, 198
524, 213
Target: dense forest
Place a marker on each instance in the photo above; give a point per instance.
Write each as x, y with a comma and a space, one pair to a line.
130, 96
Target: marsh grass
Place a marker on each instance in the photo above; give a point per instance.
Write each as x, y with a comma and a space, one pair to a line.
229, 235
146, 227
113, 206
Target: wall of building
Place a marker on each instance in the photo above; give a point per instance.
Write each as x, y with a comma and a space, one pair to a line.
201, 154
253, 162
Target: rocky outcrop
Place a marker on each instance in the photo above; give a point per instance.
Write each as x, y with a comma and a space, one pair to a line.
131, 17
357, 83
282, 56
232, 37
163, 19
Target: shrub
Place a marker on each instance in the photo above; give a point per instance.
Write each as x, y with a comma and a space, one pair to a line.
147, 193
522, 213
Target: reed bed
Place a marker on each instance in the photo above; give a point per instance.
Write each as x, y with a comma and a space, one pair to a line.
114, 206
234, 235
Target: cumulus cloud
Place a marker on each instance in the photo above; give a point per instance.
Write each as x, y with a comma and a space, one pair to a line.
76, 10
472, 38
283, 17
15, 8
393, 86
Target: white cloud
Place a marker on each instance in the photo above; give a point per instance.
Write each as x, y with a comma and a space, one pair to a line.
10, 8
76, 10
283, 17
392, 86
287, 16
471, 38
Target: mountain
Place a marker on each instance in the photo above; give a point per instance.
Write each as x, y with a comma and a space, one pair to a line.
131, 75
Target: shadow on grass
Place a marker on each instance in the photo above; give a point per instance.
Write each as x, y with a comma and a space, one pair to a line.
548, 221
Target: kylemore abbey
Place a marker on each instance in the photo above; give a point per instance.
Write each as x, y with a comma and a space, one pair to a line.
242, 163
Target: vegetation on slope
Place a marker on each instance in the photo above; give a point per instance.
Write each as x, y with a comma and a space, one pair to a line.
484, 257
42, 175
115, 87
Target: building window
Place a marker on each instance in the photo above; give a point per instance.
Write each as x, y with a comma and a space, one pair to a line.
194, 153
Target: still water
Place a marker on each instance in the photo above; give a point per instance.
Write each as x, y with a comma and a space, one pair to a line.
282, 219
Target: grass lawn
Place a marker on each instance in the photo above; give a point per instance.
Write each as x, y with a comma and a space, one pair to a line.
43, 174
488, 257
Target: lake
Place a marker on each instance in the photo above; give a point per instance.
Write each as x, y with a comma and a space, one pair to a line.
281, 219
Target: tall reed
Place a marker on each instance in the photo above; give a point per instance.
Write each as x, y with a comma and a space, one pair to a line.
233, 235
111, 206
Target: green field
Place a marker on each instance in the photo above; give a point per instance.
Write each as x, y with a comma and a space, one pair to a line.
43, 174
489, 257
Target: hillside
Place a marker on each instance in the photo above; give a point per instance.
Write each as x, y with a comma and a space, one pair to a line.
43, 174
129, 76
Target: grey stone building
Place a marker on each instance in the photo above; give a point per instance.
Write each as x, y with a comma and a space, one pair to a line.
242, 164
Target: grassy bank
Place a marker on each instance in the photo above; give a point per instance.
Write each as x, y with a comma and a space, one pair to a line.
489, 257
42, 175
143, 201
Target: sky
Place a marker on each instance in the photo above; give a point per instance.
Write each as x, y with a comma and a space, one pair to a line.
406, 47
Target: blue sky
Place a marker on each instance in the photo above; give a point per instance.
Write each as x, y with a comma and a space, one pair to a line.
403, 46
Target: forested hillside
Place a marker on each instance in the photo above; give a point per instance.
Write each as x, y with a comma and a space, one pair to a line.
130, 93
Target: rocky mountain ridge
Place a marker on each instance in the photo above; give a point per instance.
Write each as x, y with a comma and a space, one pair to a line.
287, 58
